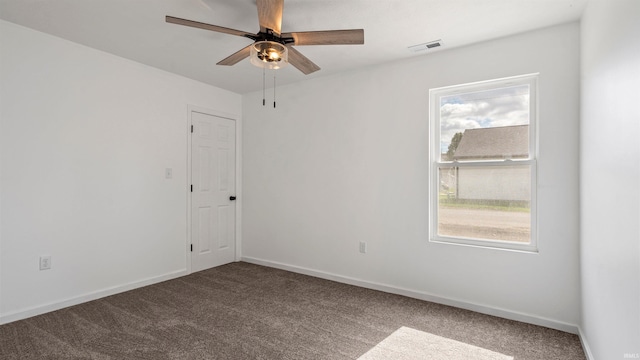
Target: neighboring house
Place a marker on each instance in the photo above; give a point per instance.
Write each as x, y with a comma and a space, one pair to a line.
507, 142
493, 183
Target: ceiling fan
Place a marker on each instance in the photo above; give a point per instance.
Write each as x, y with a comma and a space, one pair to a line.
273, 49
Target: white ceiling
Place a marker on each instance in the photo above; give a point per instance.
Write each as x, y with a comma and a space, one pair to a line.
136, 30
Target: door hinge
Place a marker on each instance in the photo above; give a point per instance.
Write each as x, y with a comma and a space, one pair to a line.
191, 187
191, 247
192, 128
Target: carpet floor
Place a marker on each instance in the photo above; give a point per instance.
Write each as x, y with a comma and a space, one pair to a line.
246, 311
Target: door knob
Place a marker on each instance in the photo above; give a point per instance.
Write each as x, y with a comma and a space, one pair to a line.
232, 198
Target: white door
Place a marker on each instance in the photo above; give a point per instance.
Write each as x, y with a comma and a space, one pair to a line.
213, 174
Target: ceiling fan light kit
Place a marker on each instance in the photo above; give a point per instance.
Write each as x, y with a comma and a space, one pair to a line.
269, 55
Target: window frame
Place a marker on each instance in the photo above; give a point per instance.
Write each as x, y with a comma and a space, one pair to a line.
436, 163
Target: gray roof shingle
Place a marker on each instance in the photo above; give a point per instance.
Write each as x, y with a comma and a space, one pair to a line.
494, 143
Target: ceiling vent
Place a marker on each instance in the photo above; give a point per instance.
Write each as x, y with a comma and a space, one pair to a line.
427, 46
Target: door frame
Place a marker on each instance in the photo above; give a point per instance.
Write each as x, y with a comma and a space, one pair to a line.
238, 167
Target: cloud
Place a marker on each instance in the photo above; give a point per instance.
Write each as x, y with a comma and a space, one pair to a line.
481, 109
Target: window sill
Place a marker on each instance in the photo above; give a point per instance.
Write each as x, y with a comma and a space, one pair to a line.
488, 244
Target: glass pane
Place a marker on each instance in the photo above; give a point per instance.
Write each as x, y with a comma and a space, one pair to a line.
485, 202
484, 125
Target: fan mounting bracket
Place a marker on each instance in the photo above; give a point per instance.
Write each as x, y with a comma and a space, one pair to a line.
270, 35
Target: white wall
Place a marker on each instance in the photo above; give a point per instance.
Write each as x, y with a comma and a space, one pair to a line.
345, 159
610, 178
85, 140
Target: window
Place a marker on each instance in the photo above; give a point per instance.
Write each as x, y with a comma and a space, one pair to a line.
483, 155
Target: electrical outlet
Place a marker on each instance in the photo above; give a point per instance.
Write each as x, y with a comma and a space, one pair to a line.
363, 247
45, 262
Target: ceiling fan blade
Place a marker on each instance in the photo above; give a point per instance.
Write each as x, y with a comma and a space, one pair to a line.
270, 14
328, 37
301, 62
236, 57
199, 25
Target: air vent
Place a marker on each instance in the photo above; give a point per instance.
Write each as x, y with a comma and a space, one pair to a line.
426, 46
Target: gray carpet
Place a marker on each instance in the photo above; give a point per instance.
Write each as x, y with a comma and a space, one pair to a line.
245, 311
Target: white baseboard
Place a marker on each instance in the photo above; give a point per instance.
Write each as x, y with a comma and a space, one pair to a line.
585, 345
37, 310
483, 309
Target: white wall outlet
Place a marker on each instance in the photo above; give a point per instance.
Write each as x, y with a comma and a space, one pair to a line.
168, 173
363, 247
45, 262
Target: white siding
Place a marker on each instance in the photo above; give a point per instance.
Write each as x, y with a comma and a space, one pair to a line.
495, 183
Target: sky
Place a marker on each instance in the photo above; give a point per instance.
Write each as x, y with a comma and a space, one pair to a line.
490, 108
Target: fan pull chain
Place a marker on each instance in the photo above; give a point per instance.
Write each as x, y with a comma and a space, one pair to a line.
274, 90
264, 101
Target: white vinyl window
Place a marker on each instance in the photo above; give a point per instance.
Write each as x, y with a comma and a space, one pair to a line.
483, 155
